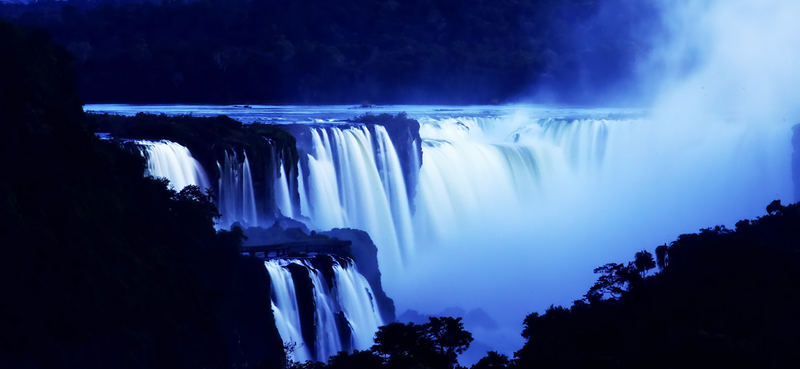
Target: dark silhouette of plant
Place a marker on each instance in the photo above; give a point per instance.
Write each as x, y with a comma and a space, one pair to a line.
492, 360
662, 256
722, 298
355, 360
774, 207
643, 261
612, 282
435, 344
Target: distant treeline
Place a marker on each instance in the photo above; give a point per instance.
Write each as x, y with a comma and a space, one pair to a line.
348, 51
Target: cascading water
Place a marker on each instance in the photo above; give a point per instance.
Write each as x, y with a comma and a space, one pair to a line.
328, 342
358, 303
284, 307
355, 180
283, 196
516, 195
476, 165
350, 295
237, 202
520, 192
167, 159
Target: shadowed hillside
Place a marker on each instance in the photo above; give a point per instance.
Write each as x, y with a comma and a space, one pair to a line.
101, 266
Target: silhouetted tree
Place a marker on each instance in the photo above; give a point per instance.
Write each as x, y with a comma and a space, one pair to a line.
643, 261
774, 207
355, 360
703, 310
661, 257
492, 360
435, 344
613, 281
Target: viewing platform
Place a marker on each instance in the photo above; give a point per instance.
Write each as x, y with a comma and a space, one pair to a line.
298, 249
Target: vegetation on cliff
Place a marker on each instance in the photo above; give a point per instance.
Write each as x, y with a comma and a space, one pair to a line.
209, 139
101, 266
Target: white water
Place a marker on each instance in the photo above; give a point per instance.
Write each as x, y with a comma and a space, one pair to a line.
516, 205
357, 301
236, 201
350, 294
514, 211
284, 306
328, 342
283, 196
167, 159
355, 180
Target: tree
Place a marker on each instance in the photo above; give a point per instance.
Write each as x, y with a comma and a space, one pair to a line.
661, 256
643, 261
449, 336
492, 360
435, 344
612, 281
355, 360
774, 207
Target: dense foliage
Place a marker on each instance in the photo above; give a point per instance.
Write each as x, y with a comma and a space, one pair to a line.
432, 345
101, 266
350, 51
722, 299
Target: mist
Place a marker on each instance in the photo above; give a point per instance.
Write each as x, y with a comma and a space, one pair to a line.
712, 146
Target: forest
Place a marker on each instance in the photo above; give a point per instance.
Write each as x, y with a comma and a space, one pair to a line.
352, 51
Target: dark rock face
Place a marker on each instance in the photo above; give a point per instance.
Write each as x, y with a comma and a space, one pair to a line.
252, 335
304, 289
796, 161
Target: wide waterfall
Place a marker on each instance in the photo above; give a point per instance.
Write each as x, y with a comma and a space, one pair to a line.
513, 192
348, 294
521, 193
167, 159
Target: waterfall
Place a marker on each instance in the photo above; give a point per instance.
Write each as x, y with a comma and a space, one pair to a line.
350, 295
328, 340
283, 196
355, 180
284, 307
236, 201
357, 301
167, 159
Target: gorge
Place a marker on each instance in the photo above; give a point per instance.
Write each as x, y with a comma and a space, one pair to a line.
442, 185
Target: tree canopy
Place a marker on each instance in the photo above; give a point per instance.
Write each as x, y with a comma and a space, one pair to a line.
348, 51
